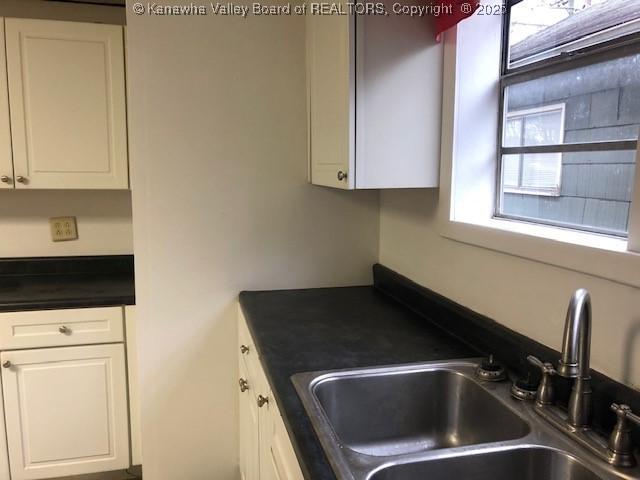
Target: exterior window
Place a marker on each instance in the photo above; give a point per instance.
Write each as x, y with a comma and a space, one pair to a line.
533, 174
570, 113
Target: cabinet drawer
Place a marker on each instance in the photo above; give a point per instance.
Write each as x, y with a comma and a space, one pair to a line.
247, 350
52, 328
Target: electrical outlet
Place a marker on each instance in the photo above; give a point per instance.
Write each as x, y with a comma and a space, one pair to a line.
63, 229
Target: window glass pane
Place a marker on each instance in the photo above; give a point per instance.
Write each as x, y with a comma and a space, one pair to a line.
598, 102
513, 133
542, 171
594, 194
543, 129
510, 171
544, 28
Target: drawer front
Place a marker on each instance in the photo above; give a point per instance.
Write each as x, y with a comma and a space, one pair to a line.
53, 328
247, 350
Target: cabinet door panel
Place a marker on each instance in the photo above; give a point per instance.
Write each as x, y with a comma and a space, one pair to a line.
330, 65
134, 390
6, 160
66, 411
249, 427
268, 467
67, 98
284, 457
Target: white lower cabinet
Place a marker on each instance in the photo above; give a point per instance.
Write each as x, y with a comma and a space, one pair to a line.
66, 410
249, 430
65, 406
266, 452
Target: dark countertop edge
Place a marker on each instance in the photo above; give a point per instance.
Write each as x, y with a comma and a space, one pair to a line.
85, 264
80, 282
27, 306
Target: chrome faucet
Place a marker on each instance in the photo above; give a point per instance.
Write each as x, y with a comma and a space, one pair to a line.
574, 363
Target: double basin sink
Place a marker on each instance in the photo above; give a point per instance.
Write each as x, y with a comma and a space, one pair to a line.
437, 421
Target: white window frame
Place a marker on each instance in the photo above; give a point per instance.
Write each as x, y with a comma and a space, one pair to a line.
523, 113
469, 156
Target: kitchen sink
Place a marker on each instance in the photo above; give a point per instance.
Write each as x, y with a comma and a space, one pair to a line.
437, 420
390, 413
520, 463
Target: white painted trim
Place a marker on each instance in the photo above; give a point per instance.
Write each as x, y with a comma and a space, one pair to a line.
634, 211
538, 193
593, 254
525, 112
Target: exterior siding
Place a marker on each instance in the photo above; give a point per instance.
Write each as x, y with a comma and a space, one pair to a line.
601, 103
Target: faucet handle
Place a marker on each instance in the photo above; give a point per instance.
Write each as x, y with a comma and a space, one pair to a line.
624, 413
546, 391
545, 367
620, 447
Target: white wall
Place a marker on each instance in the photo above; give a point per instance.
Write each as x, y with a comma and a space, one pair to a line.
104, 222
524, 295
221, 204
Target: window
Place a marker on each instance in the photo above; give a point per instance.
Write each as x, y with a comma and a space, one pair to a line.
577, 207
570, 113
535, 174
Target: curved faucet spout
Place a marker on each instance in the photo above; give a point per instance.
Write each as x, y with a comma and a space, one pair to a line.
574, 363
576, 343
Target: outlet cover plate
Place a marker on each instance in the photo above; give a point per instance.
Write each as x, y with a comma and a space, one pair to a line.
63, 229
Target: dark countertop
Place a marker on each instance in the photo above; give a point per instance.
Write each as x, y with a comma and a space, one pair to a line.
395, 321
73, 282
323, 329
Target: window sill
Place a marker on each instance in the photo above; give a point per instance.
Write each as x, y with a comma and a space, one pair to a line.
593, 254
537, 193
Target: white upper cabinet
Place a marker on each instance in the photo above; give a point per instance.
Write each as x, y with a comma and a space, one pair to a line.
6, 159
375, 89
67, 97
330, 83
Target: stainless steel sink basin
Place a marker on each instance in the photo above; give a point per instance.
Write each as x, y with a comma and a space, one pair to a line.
520, 463
436, 420
386, 413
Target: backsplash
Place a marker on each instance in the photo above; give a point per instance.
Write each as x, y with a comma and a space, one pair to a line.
103, 217
509, 347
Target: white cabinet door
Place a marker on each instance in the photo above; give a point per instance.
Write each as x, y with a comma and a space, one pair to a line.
134, 388
284, 458
67, 99
277, 459
268, 467
66, 410
374, 87
249, 427
4, 454
6, 160
330, 84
